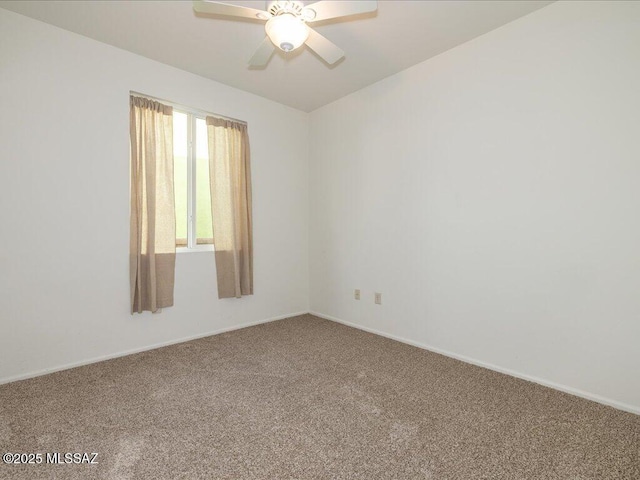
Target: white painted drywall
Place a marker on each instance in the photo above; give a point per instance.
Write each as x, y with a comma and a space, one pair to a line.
492, 194
64, 196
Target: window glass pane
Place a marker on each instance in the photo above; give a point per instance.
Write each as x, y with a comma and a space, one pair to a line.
204, 226
180, 174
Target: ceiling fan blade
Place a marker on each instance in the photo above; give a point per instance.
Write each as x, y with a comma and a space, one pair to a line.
326, 9
218, 8
328, 51
263, 53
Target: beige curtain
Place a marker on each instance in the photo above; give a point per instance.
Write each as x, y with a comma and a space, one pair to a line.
230, 177
153, 224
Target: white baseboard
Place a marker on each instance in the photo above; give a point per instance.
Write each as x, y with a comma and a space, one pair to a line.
563, 388
102, 358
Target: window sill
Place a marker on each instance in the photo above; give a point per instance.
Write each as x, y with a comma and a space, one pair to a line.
196, 249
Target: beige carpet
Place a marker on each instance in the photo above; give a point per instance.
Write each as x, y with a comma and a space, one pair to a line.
307, 398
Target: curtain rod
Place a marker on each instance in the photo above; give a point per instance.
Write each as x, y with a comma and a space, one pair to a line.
184, 107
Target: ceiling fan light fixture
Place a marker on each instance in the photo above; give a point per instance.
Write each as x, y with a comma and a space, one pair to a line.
286, 31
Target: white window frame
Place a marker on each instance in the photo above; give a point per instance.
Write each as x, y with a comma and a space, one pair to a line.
192, 246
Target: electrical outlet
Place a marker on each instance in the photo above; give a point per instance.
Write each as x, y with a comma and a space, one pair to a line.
378, 298
356, 294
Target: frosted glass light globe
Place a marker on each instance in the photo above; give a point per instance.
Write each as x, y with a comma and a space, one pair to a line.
286, 31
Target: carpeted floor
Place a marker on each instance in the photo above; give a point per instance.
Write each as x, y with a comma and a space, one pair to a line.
306, 398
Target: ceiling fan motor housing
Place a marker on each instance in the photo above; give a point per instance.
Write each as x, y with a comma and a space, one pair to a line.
280, 7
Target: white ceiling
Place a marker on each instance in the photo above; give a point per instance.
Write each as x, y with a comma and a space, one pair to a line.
399, 35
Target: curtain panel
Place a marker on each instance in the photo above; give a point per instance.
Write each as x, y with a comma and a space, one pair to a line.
230, 180
152, 250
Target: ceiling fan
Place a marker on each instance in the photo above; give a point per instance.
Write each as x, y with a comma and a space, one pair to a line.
287, 27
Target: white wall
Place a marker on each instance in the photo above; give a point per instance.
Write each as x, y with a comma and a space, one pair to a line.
492, 194
64, 196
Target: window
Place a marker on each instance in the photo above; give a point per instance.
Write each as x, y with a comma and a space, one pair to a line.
189, 198
194, 229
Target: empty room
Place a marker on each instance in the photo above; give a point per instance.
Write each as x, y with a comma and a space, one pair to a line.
320, 240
